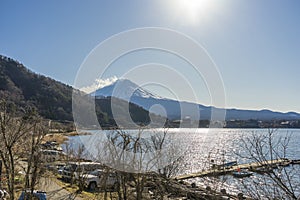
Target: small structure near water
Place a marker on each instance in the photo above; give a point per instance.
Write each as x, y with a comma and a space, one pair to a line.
234, 168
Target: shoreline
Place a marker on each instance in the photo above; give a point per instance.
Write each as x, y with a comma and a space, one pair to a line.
62, 137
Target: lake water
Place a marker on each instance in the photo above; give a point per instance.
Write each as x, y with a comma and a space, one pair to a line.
200, 146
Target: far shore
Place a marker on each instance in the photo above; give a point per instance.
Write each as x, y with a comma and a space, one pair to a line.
62, 137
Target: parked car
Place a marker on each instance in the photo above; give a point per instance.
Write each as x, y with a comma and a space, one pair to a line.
37, 195
51, 155
51, 145
100, 179
75, 170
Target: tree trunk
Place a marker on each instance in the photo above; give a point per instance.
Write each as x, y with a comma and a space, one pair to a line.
12, 175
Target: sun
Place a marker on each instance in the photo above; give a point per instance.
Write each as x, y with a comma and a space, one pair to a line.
192, 11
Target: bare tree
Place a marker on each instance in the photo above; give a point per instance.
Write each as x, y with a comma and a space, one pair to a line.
118, 143
168, 155
32, 147
79, 155
16, 127
278, 181
136, 156
76, 154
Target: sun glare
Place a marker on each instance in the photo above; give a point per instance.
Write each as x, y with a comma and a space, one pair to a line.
192, 11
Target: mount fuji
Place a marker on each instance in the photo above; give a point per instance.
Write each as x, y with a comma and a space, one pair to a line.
127, 90
123, 89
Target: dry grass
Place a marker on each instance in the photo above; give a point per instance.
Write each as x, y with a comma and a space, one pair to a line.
75, 133
58, 137
61, 138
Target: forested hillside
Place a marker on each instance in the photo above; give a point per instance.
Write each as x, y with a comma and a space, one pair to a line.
52, 99
20, 85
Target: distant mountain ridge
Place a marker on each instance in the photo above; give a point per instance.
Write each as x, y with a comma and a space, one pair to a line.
129, 91
53, 100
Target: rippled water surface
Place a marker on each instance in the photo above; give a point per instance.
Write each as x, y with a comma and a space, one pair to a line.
202, 147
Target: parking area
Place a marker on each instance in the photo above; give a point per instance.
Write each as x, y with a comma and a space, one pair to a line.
55, 190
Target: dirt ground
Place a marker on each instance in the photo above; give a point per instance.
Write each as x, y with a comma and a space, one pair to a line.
55, 191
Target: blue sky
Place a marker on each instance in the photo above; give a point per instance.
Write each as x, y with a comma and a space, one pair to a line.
254, 43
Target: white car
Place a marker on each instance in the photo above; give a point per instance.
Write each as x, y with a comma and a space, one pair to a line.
100, 179
51, 155
75, 170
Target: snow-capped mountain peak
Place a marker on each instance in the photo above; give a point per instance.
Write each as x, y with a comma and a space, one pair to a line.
174, 109
124, 89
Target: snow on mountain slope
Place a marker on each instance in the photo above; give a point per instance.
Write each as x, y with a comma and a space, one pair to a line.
124, 89
173, 109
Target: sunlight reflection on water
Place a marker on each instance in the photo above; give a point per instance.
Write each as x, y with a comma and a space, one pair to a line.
201, 146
